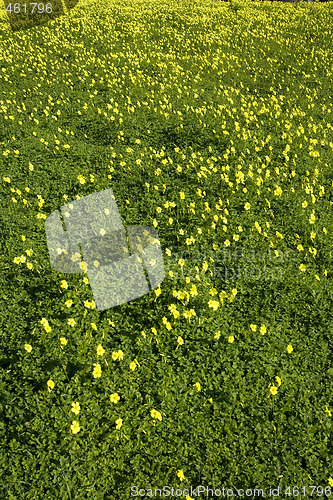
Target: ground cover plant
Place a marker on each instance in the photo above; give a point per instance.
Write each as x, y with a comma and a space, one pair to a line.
211, 122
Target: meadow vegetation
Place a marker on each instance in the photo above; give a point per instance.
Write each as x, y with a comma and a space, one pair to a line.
212, 122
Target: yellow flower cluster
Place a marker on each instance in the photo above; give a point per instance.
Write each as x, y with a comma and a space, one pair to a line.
46, 325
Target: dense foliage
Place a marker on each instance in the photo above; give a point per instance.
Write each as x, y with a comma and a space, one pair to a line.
211, 122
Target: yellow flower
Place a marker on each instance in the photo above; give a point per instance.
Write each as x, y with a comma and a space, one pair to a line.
71, 322
217, 335
302, 267
330, 480
83, 266
263, 329
114, 356
64, 284
247, 206
120, 355
231, 338
180, 474
198, 386
328, 411
81, 179
273, 390
93, 326
187, 314
76, 408
214, 304
290, 348
156, 414
63, 341
278, 380
97, 372
168, 325
114, 398
45, 323
119, 423
253, 328
100, 350
68, 303
28, 347
75, 427
50, 385
133, 364
180, 341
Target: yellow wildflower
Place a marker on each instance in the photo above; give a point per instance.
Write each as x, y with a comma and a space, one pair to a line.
76, 408
114, 398
75, 427
100, 350
97, 372
156, 414
180, 474
50, 385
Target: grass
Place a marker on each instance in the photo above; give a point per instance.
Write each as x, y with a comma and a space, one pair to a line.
211, 122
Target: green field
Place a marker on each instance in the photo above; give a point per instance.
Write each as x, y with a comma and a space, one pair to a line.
213, 123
